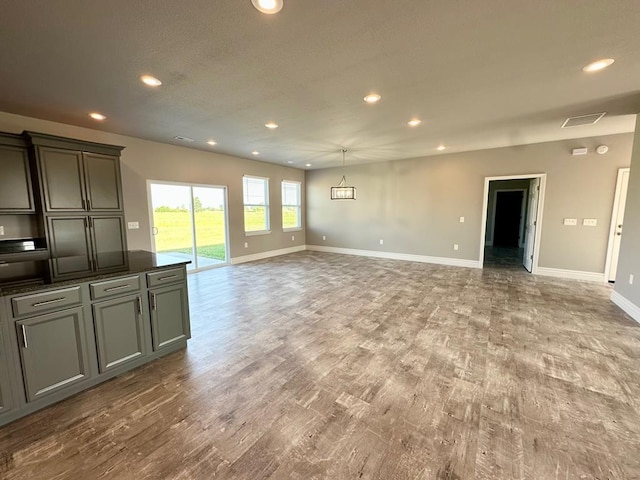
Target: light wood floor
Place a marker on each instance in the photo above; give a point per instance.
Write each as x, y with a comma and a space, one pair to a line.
323, 366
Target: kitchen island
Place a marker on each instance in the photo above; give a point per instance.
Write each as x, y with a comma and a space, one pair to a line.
59, 339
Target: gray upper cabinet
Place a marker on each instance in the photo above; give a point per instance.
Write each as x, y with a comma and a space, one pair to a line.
108, 242
16, 193
169, 315
70, 246
102, 175
75, 181
119, 327
62, 179
53, 351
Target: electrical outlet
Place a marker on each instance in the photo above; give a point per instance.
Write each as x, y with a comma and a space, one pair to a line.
246, 244
293, 237
455, 246
589, 222
461, 219
133, 225
1, 230
324, 237
381, 242
571, 222
631, 279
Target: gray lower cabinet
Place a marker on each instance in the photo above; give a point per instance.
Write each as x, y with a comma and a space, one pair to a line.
119, 328
53, 351
169, 315
6, 403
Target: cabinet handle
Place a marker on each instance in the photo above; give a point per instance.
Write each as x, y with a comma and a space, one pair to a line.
48, 302
167, 277
90, 222
139, 306
24, 337
84, 204
119, 287
88, 204
153, 302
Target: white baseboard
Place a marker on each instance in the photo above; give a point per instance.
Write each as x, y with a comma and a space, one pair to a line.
630, 308
571, 274
454, 262
269, 254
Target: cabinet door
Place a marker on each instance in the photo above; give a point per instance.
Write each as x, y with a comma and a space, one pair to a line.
53, 352
119, 331
70, 246
62, 179
169, 315
102, 177
16, 195
5, 391
109, 242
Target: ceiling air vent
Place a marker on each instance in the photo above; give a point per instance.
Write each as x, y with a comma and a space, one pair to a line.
183, 139
583, 120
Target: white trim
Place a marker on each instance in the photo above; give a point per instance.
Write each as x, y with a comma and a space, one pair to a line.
627, 306
485, 203
453, 262
571, 274
614, 212
268, 254
253, 233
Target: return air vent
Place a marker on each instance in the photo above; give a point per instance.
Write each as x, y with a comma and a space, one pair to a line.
183, 139
583, 120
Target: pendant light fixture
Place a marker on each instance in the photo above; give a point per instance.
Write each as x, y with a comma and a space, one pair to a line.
342, 191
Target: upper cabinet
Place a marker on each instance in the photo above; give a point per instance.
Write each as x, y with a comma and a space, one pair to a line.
16, 194
77, 176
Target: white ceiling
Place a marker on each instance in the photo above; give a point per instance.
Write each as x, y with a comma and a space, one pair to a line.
479, 73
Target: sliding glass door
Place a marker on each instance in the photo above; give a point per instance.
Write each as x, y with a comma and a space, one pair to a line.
189, 222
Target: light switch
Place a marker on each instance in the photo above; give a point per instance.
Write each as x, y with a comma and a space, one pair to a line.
455, 246
590, 222
324, 237
381, 242
571, 221
133, 225
1, 229
461, 219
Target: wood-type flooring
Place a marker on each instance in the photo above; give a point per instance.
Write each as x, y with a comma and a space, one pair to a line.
325, 366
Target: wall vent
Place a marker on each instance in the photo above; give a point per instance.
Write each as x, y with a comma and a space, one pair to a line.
183, 139
583, 120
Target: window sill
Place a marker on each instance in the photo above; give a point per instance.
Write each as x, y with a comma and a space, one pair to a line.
257, 232
292, 229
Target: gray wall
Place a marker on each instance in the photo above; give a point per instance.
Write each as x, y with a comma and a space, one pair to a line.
414, 205
629, 262
144, 160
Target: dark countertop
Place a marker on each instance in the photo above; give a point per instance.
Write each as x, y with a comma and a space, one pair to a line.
139, 261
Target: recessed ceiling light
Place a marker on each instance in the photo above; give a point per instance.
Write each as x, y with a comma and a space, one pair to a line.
372, 98
255, 152
150, 81
268, 6
212, 142
271, 125
441, 147
598, 65
307, 164
97, 116
414, 122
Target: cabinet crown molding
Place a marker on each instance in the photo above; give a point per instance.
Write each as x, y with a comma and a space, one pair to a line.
46, 140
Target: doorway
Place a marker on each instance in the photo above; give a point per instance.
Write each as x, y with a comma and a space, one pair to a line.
511, 215
189, 222
617, 224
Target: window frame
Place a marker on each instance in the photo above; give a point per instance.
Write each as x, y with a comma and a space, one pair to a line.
298, 205
266, 206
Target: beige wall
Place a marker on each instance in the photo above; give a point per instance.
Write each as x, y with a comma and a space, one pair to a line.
144, 160
414, 205
629, 262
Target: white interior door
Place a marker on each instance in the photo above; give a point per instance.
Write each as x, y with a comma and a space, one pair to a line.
617, 221
532, 215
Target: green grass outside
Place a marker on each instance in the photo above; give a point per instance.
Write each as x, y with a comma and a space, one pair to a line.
174, 231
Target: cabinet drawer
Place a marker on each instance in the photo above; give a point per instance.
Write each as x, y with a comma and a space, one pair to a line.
165, 277
46, 301
118, 286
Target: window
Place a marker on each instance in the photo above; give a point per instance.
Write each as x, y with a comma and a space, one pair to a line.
256, 205
291, 206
